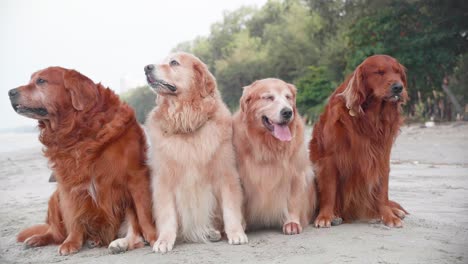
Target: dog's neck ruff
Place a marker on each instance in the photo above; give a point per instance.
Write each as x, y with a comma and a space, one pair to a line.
185, 117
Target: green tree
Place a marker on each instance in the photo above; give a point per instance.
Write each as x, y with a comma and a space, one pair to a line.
284, 38
415, 34
246, 63
313, 89
223, 33
291, 42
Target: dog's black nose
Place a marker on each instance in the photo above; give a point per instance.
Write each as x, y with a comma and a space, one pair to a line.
13, 92
286, 113
396, 88
149, 68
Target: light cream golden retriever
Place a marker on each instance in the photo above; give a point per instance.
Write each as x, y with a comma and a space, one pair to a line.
272, 157
196, 187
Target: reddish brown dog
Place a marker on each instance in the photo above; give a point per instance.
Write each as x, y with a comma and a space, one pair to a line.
97, 151
351, 144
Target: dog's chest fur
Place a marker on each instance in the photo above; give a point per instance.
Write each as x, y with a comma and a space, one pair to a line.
259, 182
185, 159
196, 148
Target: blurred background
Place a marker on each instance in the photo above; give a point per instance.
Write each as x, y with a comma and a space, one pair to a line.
313, 44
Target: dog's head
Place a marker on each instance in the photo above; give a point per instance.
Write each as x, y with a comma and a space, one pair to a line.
50, 93
381, 77
270, 105
180, 75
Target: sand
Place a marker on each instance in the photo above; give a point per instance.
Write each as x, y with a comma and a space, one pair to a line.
429, 178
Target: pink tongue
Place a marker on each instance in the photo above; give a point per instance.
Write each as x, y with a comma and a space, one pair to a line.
282, 132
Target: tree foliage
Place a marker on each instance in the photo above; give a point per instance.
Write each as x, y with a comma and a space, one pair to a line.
312, 91
316, 43
427, 43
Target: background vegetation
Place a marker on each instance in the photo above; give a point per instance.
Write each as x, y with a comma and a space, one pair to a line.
316, 43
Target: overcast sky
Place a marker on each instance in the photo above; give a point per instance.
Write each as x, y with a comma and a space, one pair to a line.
106, 40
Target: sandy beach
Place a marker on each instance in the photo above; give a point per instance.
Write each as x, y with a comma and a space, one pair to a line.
429, 177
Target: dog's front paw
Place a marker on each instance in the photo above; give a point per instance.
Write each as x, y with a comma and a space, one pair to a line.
121, 245
69, 247
237, 238
37, 241
292, 228
397, 209
164, 244
118, 246
391, 220
323, 220
399, 213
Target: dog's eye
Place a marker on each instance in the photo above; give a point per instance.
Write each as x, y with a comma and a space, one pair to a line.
380, 72
288, 97
174, 63
40, 81
269, 97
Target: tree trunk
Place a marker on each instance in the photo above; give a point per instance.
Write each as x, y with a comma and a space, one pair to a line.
451, 96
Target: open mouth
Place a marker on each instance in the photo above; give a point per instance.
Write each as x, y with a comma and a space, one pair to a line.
266, 122
157, 83
21, 109
394, 98
279, 131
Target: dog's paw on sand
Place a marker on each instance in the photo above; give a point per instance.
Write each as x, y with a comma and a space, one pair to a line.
118, 246
399, 213
37, 241
237, 238
162, 246
392, 221
121, 245
323, 220
292, 228
165, 243
68, 248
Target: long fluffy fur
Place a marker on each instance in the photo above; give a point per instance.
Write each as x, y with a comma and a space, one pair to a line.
351, 150
276, 176
196, 188
98, 155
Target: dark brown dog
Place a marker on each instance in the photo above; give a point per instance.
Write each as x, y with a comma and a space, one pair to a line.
351, 144
97, 152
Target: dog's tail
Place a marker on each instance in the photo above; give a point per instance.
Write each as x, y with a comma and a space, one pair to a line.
31, 231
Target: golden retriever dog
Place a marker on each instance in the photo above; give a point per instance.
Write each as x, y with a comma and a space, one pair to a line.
274, 168
196, 186
97, 152
352, 141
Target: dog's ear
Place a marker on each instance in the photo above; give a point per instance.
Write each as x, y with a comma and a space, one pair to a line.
355, 93
82, 90
205, 78
402, 71
293, 90
246, 96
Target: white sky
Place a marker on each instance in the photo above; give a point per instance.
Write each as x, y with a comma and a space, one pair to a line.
103, 39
